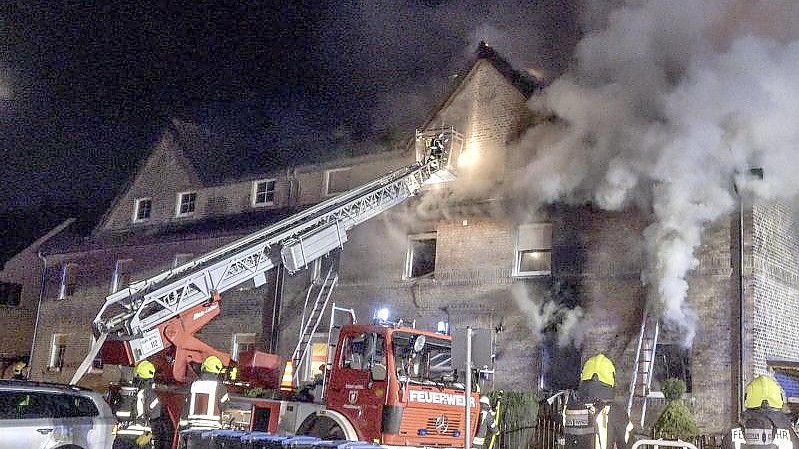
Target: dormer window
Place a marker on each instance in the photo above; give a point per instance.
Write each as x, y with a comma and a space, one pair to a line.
142, 207
187, 203
263, 192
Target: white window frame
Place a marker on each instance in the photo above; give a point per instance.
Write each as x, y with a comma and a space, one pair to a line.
326, 187
179, 202
62, 291
185, 256
236, 341
307, 365
51, 363
137, 204
115, 279
407, 274
254, 202
518, 251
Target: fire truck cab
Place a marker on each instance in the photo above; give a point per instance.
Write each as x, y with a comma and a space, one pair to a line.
386, 384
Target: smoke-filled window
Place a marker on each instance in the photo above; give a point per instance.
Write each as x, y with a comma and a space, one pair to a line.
533, 250
421, 258
672, 360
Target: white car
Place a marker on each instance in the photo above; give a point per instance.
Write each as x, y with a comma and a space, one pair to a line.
52, 416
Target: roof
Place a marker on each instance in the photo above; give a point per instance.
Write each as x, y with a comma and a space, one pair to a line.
521, 80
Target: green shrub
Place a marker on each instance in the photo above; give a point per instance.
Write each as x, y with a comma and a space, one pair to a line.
676, 422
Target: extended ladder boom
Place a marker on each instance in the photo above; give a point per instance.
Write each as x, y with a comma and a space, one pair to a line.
294, 242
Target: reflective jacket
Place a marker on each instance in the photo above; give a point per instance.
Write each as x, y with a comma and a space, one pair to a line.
762, 428
590, 422
138, 407
207, 399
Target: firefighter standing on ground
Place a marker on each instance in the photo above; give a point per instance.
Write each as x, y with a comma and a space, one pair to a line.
208, 398
590, 418
139, 412
763, 425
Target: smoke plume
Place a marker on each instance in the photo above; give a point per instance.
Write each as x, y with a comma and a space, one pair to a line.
544, 313
668, 107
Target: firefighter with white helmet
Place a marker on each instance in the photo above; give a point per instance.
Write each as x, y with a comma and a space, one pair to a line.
206, 413
139, 410
762, 425
591, 420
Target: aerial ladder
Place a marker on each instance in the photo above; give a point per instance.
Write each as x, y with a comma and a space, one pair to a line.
163, 312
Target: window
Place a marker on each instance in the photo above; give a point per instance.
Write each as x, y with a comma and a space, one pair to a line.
242, 343
533, 250
10, 294
181, 259
363, 351
672, 360
58, 349
421, 257
142, 208
39, 405
316, 359
263, 192
187, 202
121, 277
69, 279
337, 180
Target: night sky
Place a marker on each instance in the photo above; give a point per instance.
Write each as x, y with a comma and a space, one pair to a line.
85, 90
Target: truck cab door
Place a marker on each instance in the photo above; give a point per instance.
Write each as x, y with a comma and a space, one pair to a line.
357, 388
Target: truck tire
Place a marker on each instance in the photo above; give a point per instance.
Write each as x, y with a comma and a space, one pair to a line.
321, 427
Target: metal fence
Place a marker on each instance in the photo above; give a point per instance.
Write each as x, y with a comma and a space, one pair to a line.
545, 432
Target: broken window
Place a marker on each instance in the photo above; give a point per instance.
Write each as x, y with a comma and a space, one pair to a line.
187, 202
337, 180
142, 209
263, 192
672, 360
122, 275
533, 250
69, 280
421, 258
58, 350
10, 294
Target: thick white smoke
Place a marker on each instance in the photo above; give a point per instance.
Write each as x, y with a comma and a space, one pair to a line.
543, 312
668, 106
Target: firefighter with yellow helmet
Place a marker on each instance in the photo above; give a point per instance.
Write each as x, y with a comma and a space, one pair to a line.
762, 425
19, 370
208, 397
138, 411
591, 420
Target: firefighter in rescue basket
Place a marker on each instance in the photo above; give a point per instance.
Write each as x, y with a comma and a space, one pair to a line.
763, 425
590, 418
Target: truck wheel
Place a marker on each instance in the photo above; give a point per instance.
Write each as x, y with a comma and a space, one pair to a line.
321, 427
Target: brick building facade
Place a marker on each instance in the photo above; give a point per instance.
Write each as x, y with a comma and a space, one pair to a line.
494, 262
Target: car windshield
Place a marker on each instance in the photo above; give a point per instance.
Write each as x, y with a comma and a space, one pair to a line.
433, 364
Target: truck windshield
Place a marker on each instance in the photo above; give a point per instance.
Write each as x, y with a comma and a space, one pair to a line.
433, 364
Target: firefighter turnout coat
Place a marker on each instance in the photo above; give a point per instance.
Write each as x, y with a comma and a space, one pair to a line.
590, 423
205, 403
138, 408
762, 429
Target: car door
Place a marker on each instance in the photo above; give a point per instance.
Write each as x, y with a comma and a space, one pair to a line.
24, 420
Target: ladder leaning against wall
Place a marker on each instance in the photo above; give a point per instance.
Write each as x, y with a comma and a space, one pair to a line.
641, 380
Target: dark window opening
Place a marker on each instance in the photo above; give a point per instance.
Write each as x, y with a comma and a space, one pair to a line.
421, 256
10, 294
143, 209
265, 192
560, 365
187, 203
671, 361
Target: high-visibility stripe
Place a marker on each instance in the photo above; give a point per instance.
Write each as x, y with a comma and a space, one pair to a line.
154, 403
578, 430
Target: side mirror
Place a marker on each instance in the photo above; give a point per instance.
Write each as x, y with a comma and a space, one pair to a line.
379, 372
418, 344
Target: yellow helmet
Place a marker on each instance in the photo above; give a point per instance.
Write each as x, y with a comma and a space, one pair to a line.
18, 367
602, 367
213, 365
764, 389
233, 373
144, 370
